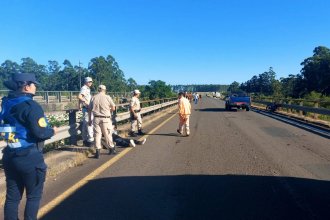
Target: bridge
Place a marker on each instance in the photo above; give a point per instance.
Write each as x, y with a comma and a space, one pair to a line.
234, 165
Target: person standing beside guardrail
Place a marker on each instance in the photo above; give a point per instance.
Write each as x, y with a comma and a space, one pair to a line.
84, 100
25, 128
135, 116
102, 106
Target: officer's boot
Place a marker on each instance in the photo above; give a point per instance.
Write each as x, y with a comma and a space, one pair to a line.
97, 154
112, 150
140, 132
132, 134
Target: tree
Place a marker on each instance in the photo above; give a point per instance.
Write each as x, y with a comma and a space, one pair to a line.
28, 65
266, 80
316, 71
234, 87
106, 71
131, 84
7, 69
157, 89
54, 78
71, 75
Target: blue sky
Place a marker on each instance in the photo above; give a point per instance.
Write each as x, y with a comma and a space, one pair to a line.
176, 41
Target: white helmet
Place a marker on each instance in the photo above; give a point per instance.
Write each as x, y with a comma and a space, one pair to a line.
136, 91
88, 79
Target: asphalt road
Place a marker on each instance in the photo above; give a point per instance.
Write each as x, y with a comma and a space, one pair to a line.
234, 165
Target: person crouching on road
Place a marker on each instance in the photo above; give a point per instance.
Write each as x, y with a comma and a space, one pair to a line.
135, 116
101, 107
184, 114
25, 129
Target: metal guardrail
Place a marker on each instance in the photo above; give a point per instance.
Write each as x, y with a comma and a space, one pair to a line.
315, 128
321, 111
72, 130
64, 96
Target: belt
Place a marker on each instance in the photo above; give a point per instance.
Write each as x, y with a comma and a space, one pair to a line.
97, 116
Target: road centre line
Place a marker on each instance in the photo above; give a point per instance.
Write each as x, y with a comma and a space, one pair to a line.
56, 201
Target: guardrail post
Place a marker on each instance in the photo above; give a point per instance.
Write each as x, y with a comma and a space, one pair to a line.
47, 97
280, 102
59, 97
72, 124
316, 105
301, 103
289, 109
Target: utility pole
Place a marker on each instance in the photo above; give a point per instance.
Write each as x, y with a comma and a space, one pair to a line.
79, 74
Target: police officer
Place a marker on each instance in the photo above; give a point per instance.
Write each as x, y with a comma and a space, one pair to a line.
102, 106
84, 100
135, 116
25, 129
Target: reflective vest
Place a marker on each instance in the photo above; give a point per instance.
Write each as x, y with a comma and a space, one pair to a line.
13, 131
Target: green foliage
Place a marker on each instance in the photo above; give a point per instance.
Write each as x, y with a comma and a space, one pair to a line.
264, 83
314, 77
316, 71
157, 89
200, 88
131, 84
106, 71
68, 77
313, 96
56, 121
234, 87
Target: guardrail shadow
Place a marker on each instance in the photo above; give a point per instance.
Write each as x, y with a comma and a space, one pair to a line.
320, 130
197, 197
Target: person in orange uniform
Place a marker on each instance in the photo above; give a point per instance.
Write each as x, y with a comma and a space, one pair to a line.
184, 114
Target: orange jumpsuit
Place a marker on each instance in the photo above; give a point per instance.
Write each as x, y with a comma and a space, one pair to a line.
184, 114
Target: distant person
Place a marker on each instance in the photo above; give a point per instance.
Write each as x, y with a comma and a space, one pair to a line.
184, 114
196, 97
135, 109
25, 129
188, 96
101, 107
84, 101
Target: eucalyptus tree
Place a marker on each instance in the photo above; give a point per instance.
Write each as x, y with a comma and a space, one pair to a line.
106, 71
70, 77
131, 84
234, 87
28, 65
54, 78
117, 77
316, 71
157, 89
7, 69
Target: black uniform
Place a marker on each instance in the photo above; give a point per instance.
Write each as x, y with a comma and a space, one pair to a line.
24, 166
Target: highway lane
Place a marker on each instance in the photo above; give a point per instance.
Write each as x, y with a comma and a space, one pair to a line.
235, 165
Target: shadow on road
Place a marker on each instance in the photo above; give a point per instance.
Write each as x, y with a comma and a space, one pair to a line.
166, 134
211, 110
197, 197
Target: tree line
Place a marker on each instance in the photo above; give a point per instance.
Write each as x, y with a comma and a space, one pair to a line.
69, 77
201, 88
314, 78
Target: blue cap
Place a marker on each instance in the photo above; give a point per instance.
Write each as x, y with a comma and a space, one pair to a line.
25, 77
